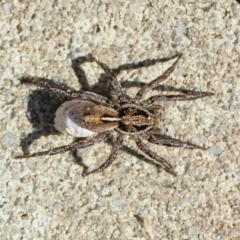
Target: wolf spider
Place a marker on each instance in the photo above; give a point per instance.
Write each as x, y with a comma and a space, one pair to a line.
94, 117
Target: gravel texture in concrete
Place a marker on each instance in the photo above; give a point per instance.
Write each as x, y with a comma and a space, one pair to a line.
47, 197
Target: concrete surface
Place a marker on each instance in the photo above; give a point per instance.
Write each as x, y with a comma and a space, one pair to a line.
46, 197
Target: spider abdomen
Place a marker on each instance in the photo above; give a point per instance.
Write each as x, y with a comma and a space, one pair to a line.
69, 118
82, 118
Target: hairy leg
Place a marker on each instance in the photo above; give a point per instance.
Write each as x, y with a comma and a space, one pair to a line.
52, 88
170, 142
165, 165
111, 158
80, 144
113, 80
156, 81
182, 97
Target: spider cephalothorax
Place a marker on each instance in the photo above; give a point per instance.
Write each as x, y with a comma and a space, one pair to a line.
93, 117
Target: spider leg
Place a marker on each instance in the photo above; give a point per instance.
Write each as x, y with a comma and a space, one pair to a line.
111, 158
182, 97
165, 165
80, 144
67, 92
170, 142
113, 80
156, 81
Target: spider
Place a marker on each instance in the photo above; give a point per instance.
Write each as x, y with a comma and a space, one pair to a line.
92, 118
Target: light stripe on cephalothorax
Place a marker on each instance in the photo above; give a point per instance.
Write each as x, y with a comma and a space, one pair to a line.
111, 119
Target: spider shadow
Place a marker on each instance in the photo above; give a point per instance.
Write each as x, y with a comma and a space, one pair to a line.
43, 105
102, 86
41, 110
78, 159
142, 157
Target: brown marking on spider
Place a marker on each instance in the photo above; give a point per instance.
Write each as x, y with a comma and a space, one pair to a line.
94, 117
